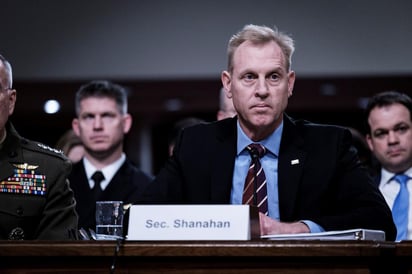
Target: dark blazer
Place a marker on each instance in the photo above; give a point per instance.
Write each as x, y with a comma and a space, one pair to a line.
127, 185
328, 186
46, 209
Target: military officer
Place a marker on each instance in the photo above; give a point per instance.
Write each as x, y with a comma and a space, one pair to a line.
36, 201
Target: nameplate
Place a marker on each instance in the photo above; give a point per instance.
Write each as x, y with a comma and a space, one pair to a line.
193, 222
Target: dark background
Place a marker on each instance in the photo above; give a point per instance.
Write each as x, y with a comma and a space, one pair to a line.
170, 54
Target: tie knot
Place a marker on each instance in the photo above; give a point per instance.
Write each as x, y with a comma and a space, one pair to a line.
98, 177
401, 178
256, 149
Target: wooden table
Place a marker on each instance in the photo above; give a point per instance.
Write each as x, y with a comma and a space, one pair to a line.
403, 253
235, 257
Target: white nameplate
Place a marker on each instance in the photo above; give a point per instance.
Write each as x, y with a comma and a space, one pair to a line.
193, 222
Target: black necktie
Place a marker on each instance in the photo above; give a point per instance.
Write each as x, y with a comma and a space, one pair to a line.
97, 177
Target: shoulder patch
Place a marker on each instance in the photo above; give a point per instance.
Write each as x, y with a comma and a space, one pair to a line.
25, 166
43, 146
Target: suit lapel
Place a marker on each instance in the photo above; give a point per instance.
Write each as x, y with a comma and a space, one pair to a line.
11, 153
290, 166
119, 183
224, 154
7, 168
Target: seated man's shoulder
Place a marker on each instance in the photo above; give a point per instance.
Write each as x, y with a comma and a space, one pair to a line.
37, 149
138, 174
319, 127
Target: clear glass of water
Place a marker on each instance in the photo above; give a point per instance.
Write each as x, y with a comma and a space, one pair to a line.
109, 220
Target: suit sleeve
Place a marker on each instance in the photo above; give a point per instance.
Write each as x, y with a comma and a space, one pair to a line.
59, 219
358, 201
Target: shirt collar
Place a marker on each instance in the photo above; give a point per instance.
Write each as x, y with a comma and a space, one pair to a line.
387, 176
272, 142
108, 171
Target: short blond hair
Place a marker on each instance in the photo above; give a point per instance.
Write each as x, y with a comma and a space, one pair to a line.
261, 35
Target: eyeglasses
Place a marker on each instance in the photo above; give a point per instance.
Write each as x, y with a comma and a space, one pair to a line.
4, 89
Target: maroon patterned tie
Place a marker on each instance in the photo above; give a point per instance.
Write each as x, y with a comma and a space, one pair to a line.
255, 192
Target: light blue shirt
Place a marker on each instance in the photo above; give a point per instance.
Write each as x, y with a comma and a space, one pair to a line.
270, 166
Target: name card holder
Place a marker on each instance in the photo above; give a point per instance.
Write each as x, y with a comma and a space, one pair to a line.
193, 222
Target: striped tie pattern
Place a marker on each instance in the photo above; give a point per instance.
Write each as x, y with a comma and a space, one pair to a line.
255, 192
400, 208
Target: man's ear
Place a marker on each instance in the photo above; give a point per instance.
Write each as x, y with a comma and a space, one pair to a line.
75, 126
12, 94
127, 123
368, 139
226, 82
291, 82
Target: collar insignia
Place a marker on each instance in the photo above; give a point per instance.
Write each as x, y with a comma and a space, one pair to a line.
25, 166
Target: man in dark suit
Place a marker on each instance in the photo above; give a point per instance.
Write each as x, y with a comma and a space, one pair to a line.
389, 136
102, 122
36, 202
313, 177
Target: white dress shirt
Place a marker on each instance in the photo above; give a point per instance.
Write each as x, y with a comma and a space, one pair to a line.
108, 171
390, 188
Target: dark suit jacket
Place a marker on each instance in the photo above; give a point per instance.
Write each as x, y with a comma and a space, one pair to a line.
127, 185
328, 186
48, 214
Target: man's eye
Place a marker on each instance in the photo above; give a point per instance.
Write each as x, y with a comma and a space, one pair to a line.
274, 76
380, 134
249, 77
402, 129
87, 117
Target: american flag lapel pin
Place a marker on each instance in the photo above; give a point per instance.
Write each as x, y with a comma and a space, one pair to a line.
294, 162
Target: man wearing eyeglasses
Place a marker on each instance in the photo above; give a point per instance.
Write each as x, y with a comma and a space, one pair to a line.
35, 199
